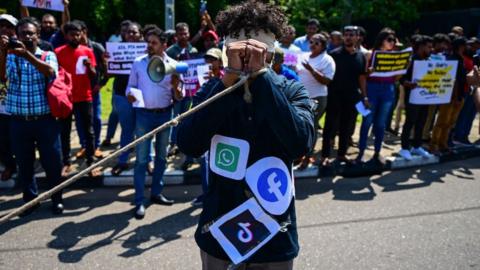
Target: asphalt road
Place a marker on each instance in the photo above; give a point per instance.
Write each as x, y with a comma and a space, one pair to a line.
427, 218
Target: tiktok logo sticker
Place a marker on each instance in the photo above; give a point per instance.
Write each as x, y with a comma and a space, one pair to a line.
270, 182
229, 156
244, 234
244, 230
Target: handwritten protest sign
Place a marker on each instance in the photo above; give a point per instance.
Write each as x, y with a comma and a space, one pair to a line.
390, 63
190, 79
435, 80
122, 56
44, 4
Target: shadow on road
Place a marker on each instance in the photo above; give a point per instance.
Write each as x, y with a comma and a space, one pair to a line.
75, 205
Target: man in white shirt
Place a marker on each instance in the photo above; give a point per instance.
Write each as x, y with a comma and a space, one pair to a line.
316, 72
286, 41
157, 110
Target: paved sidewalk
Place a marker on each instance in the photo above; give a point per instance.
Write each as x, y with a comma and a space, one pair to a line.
174, 174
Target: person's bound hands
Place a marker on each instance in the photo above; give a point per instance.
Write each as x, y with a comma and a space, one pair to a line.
246, 55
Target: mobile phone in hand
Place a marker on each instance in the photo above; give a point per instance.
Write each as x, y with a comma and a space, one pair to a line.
203, 6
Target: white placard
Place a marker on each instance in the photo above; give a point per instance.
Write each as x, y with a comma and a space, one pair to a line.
81, 69
56, 5
362, 109
202, 73
122, 55
435, 81
244, 230
269, 180
137, 93
229, 156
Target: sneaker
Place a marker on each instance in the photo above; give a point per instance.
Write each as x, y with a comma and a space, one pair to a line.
404, 153
421, 152
139, 211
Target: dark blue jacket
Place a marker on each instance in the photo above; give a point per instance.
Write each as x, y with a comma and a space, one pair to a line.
279, 123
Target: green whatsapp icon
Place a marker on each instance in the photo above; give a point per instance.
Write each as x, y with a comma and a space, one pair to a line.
226, 157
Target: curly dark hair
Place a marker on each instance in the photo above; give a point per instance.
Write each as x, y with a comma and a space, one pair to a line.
251, 15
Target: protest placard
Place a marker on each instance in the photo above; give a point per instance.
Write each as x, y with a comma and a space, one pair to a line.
390, 63
190, 79
435, 80
56, 5
122, 56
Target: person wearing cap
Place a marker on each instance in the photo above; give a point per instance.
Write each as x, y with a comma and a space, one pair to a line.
32, 125
280, 68
210, 40
276, 121
7, 28
343, 94
214, 57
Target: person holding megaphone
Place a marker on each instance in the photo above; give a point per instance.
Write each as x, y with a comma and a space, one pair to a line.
153, 107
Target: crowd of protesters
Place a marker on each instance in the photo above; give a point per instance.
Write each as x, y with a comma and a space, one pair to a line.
335, 70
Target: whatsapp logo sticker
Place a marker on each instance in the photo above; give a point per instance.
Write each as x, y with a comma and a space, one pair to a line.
229, 156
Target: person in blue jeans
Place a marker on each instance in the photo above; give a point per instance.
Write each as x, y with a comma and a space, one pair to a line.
123, 108
468, 113
156, 111
379, 97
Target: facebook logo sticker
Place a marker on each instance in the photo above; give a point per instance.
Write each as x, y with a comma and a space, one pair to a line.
269, 180
272, 184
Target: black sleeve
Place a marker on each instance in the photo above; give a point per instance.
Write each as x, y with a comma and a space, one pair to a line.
409, 74
196, 131
287, 109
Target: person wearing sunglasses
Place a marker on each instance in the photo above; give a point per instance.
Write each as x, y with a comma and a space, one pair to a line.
315, 72
378, 97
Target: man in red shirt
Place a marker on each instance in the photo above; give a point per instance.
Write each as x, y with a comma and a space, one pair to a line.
79, 61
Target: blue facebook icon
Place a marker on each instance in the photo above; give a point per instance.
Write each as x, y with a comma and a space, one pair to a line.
272, 184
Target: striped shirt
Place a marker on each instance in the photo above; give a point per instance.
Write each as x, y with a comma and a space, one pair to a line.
27, 94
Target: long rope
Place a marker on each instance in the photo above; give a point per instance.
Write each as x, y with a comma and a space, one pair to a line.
47, 194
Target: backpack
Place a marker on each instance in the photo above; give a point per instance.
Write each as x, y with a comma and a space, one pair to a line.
59, 93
